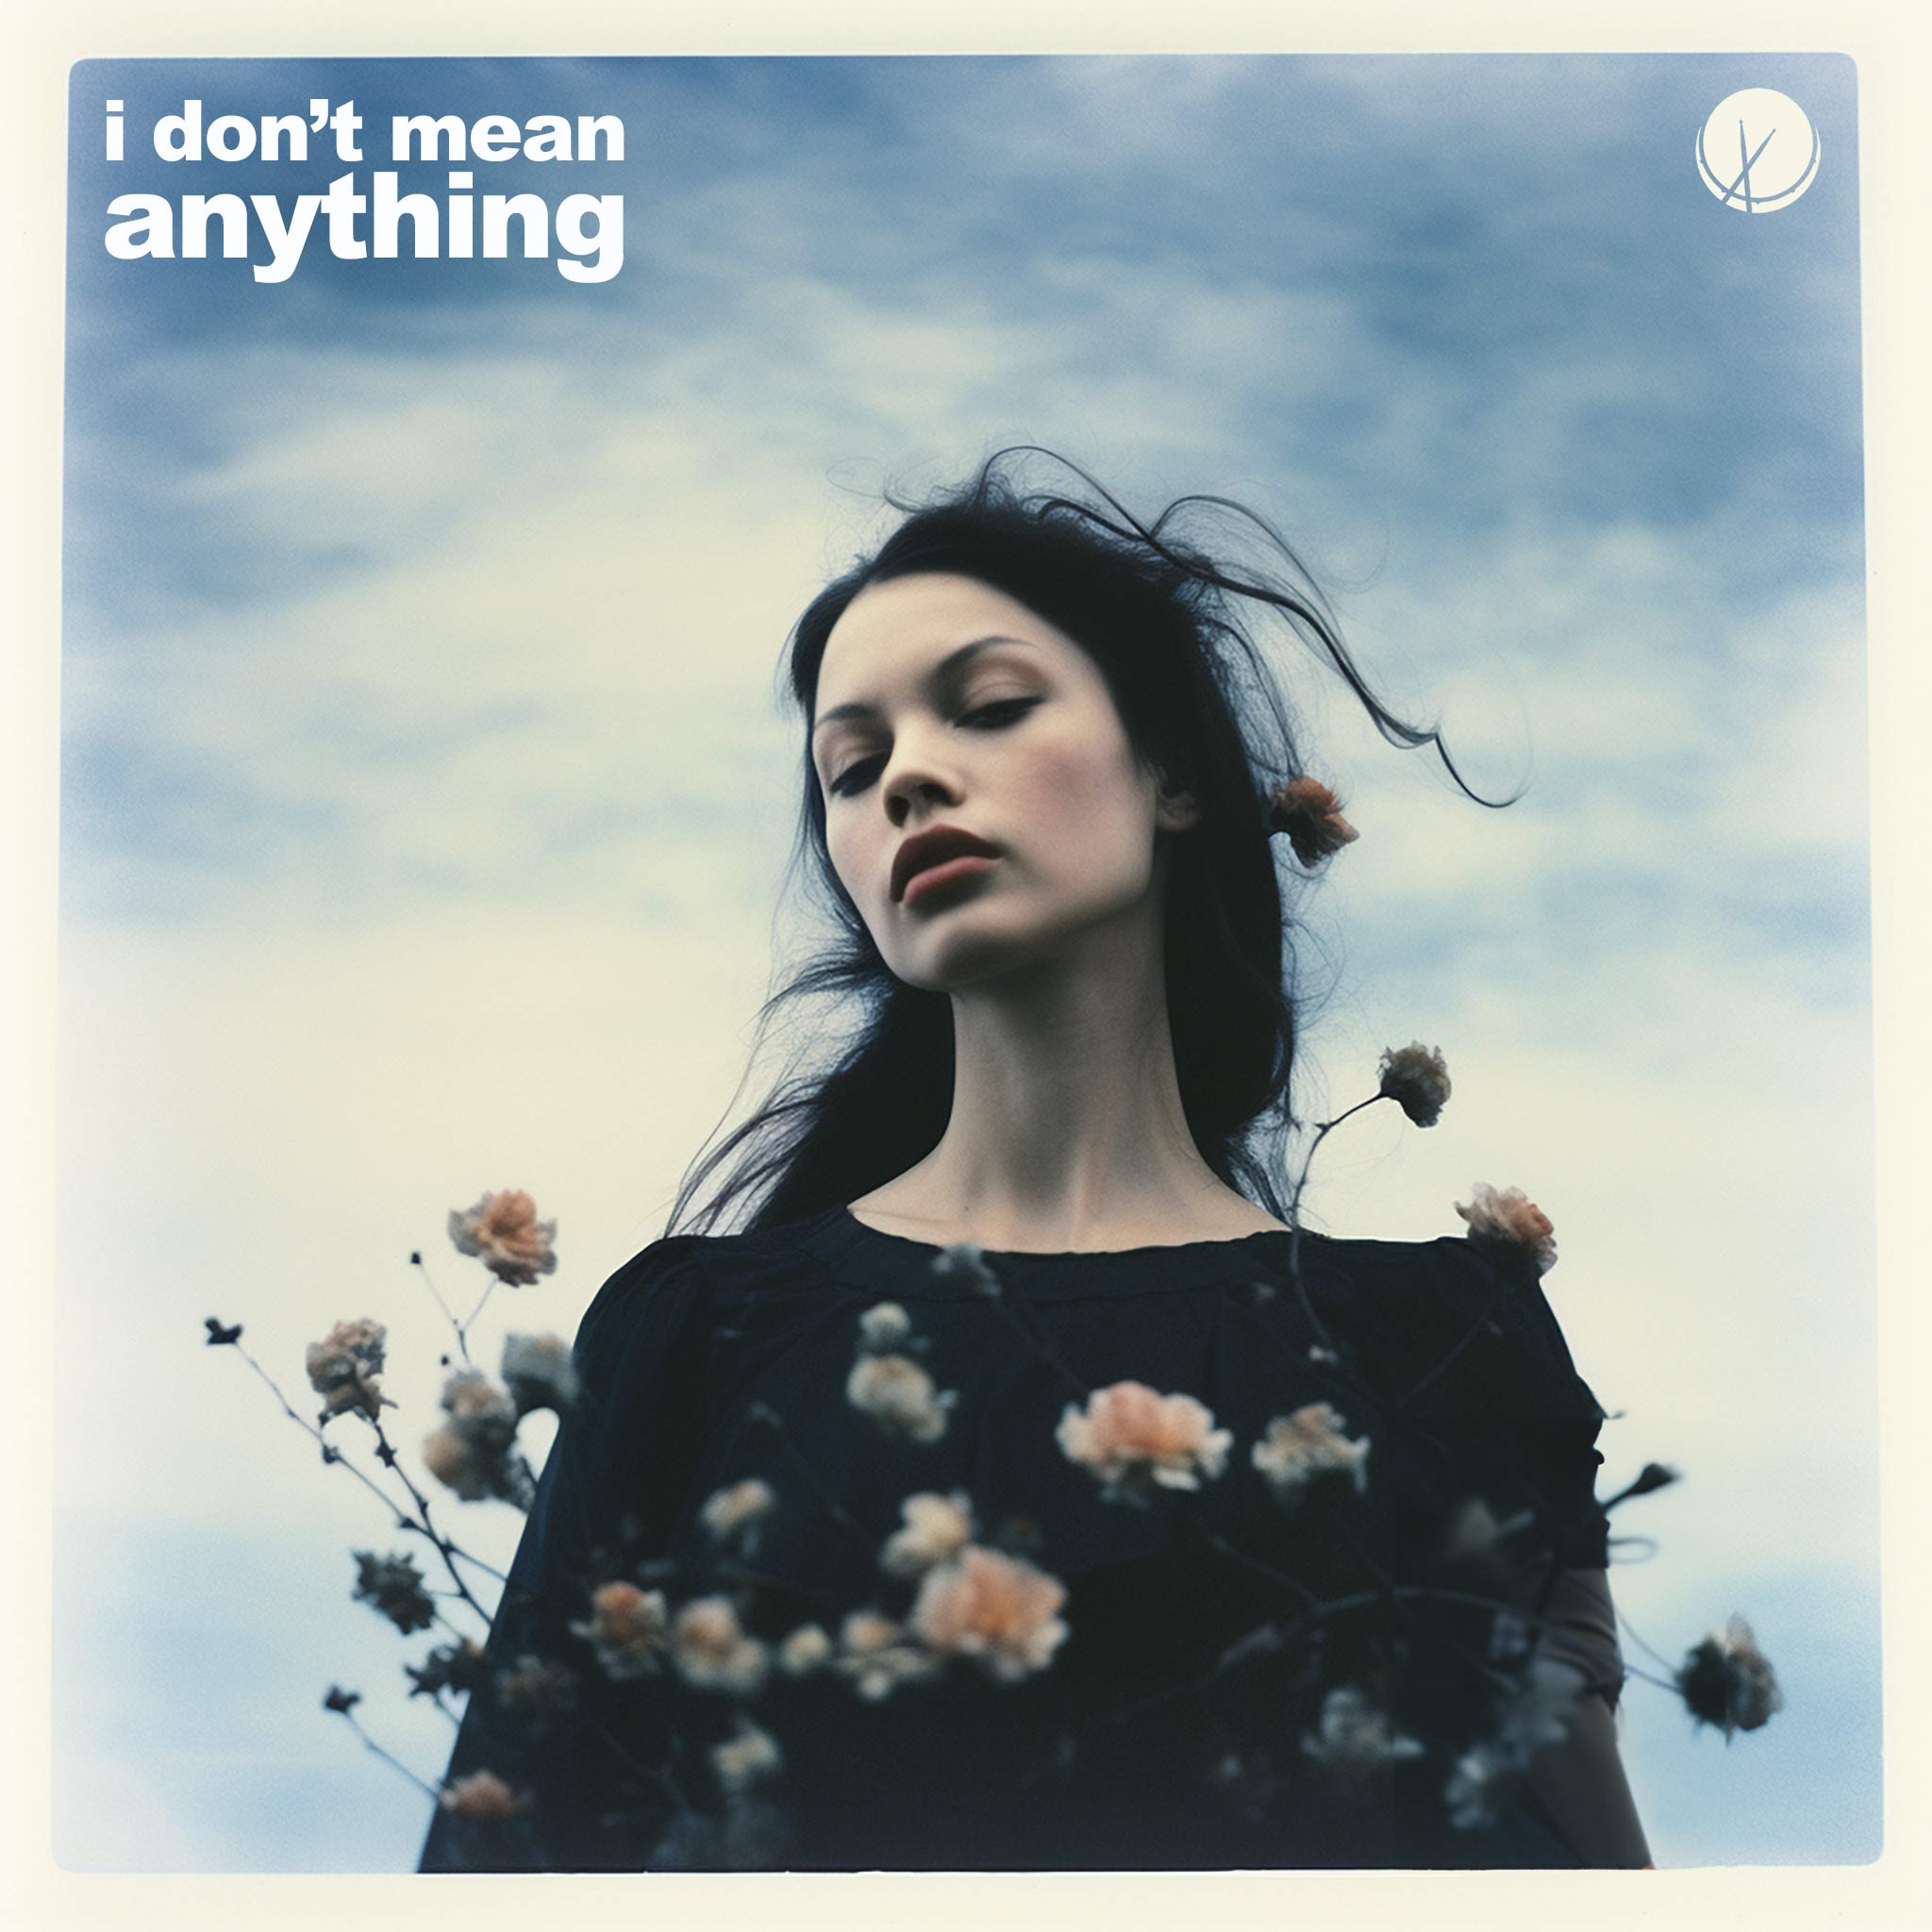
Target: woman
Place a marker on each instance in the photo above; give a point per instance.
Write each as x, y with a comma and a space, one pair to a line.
902, 1528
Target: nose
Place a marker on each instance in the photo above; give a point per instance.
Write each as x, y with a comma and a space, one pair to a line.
916, 784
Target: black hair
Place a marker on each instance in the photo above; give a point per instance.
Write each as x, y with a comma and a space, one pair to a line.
1164, 622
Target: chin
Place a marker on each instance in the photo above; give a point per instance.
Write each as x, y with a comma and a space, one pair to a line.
969, 950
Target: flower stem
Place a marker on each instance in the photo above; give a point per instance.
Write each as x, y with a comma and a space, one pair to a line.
330, 1452
422, 1266
428, 1791
764, 1412
444, 1548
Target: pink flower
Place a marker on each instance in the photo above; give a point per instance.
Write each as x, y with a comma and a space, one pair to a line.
1416, 1078
482, 1795
343, 1366
1299, 1447
997, 1608
1310, 815
1132, 1437
1512, 1216
503, 1232
626, 1628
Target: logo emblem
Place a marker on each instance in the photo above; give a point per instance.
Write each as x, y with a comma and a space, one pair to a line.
1759, 151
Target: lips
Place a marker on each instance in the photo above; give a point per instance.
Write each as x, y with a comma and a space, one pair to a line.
932, 848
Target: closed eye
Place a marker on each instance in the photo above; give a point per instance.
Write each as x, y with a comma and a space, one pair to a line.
993, 717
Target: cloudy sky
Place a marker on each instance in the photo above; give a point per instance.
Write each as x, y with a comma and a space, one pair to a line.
425, 793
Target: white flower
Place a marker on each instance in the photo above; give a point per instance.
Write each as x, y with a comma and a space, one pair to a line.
1479, 1787
539, 1372
805, 1650
876, 1654
936, 1527
1299, 1447
746, 1757
898, 1394
966, 1261
1539, 1709
734, 1514
1355, 1738
883, 1326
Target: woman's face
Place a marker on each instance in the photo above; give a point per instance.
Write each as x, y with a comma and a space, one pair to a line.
943, 702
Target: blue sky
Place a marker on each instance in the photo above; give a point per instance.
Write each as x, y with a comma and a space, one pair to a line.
425, 793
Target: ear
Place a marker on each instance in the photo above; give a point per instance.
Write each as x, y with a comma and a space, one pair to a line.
1176, 808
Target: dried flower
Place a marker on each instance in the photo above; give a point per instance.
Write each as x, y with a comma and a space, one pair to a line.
1132, 1438
712, 1650
469, 1453
340, 1701
1728, 1682
745, 1757
1355, 1738
480, 1410
733, 1515
805, 1650
457, 1666
451, 1457
1310, 815
1416, 1078
503, 1232
482, 1795
343, 1367
1652, 1477
874, 1652
538, 1689
996, 1608
394, 1587
1538, 1711
898, 1394
539, 1372
966, 1261
1510, 1216
936, 1527
625, 1628
883, 1326
1479, 1787
1300, 1447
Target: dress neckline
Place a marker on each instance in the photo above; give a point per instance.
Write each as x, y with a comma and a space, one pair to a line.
899, 1267
933, 1249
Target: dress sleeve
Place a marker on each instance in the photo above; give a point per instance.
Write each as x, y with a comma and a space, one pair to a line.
1486, 1367
611, 1489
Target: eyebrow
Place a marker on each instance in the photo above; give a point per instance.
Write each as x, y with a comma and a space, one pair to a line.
948, 666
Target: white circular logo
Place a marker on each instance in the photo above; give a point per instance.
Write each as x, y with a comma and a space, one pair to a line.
1758, 151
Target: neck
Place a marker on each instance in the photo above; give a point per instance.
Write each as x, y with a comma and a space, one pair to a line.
1067, 1129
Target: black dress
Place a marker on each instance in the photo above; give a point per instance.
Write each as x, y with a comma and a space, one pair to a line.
708, 1361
